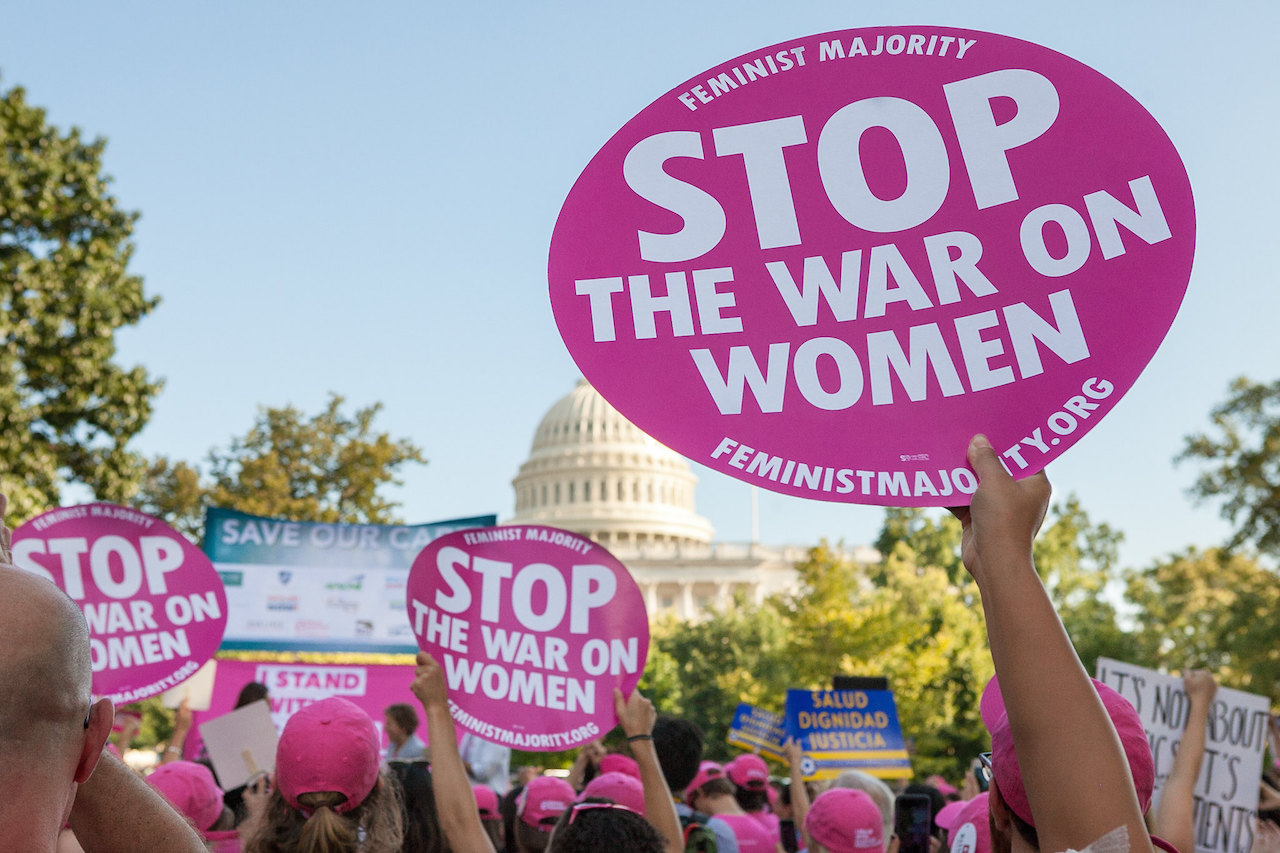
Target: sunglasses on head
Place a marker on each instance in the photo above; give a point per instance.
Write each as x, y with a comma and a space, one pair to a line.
582, 807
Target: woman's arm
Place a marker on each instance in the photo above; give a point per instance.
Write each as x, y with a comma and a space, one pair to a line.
799, 793
637, 716
1073, 767
1174, 822
455, 803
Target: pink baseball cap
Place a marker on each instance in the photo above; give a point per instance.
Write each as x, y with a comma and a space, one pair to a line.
543, 800
190, 788
846, 821
707, 771
615, 762
946, 816
748, 771
1004, 760
944, 787
623, 789
486, 802
330, 745
970, 831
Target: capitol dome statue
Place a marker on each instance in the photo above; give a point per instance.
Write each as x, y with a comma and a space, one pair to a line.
593, 472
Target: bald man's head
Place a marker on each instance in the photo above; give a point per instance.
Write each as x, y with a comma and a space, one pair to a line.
44, 664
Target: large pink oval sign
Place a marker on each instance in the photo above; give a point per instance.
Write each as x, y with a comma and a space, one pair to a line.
822, 266
155, 605
534, 628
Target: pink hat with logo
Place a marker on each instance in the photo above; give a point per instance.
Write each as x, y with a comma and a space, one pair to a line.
970, 831
543, 800
1004, 760
748, 771
191, 790
486, 802
846, 821
707, 771
617, 763
330, 745
622, 789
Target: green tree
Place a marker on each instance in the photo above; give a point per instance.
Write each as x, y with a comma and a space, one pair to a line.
934, 537
913, 625
1214, 610
1242, 455
70, 411
1078, 561
702, 670
330, 467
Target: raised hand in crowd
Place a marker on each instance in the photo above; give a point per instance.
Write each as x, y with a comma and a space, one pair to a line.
1074, 771
455, 802
1174, 821
637, 716
588, 756
183, 719
794, 753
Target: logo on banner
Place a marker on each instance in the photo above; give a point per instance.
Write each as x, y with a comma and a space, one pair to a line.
155, 606
822, 266
534, 628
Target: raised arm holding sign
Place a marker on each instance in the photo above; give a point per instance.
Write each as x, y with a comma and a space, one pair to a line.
1074, 773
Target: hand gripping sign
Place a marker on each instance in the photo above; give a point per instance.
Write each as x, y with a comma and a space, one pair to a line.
154, 603
822, 266
534, 628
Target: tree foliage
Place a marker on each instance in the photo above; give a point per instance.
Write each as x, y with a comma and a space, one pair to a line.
1214, 610
1242, 455
70, 411
914, 617
330, 467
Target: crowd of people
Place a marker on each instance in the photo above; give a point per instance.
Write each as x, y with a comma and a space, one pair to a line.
1070, 768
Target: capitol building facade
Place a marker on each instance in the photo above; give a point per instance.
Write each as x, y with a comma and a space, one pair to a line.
593, 472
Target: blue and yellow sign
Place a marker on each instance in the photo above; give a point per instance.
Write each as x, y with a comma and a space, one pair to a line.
757, 730
848, 730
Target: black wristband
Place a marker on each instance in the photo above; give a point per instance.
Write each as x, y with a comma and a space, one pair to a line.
634, 738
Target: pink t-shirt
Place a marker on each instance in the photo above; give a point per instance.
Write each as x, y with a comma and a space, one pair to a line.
770, 822
751, 834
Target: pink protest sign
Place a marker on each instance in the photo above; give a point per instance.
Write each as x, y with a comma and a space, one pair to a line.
293, 686
822, 266
154, 603
534, 628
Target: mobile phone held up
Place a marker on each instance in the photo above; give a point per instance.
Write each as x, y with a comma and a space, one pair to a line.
912, 822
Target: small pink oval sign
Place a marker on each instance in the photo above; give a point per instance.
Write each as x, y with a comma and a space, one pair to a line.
154, 603
534, 628
822, 266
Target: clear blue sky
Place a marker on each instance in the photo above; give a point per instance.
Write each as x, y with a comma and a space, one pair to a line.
359, 198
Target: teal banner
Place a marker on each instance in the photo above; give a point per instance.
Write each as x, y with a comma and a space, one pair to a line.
308, 586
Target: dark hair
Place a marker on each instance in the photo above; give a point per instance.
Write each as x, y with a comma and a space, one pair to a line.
531, 839
421, 822
678, 743
751, 799
936, 802
716, 786
403, 716
251, 692
507, 808
593, 830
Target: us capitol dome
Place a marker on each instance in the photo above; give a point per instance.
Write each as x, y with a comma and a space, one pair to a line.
593, 472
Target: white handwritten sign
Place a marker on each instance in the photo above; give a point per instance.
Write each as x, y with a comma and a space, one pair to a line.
1226, 792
